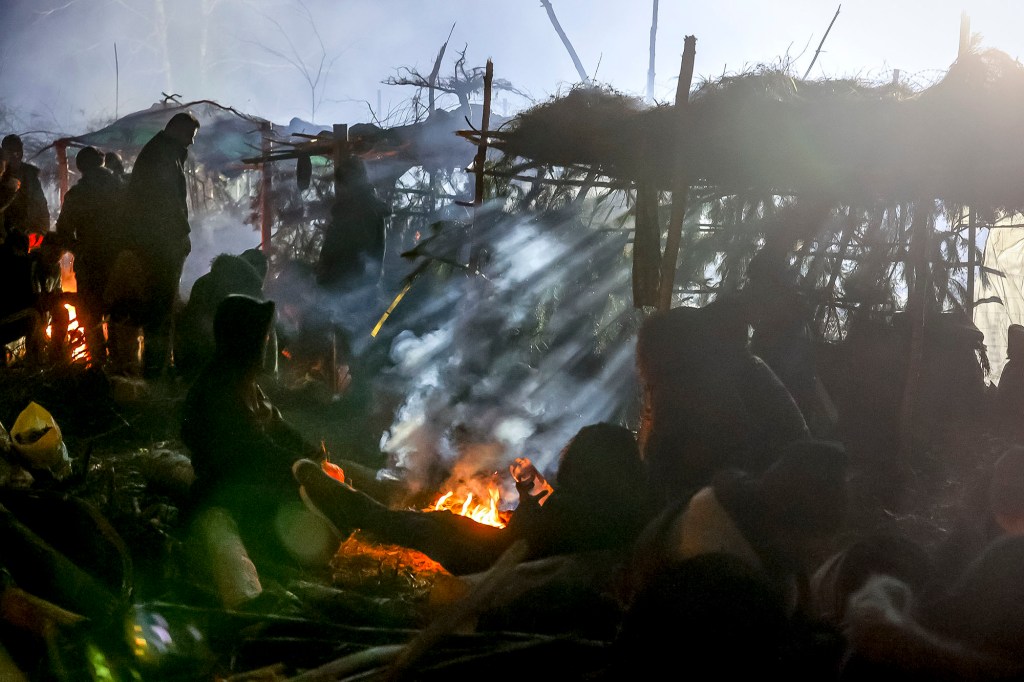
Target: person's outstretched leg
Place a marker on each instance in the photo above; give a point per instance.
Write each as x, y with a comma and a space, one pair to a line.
458, 543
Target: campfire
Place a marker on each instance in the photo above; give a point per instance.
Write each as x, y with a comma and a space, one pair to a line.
75, 335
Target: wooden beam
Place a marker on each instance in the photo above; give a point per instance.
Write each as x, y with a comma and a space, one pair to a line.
681, 181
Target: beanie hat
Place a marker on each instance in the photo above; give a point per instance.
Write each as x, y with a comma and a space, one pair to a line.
240, 328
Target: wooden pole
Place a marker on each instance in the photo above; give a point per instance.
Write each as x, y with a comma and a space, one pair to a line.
61, 147
481, 149
650, 64
972, 239
565, 41
822, 43
340, 136
917, 308
266, 206
965, 34
681, 182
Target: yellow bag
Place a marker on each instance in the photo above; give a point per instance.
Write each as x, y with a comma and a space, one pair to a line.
37, 438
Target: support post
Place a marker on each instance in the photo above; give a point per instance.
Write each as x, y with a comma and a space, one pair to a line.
61, 147
481, 150
266, 206
917, 314
972, 247
340, 134
681, 181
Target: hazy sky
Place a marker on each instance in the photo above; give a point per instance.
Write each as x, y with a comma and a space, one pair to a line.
58, 69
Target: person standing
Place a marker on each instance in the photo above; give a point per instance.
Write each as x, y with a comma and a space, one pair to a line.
85, 227
28, 212
157, 230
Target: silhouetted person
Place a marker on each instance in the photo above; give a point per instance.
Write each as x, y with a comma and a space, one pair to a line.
783, 336
354, 239
708, 404
28, 212
112, 162
20, 312
156, 222
1009, 408
86, 227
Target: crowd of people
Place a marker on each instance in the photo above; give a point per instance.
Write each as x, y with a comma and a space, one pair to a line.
718, 530
128, 235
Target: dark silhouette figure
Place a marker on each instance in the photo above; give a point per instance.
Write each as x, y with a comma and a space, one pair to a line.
157, 230
28, 212
782, 321
86, 227
241, 447
355, 236
194, 342
600, 502
20, 311
112, 162
709, 403
1009, 408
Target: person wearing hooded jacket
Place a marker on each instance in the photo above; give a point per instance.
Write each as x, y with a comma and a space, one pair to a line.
85, 227
156, 224
241, 447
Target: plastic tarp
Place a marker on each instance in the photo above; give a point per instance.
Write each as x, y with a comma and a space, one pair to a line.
225, 137
1000, 290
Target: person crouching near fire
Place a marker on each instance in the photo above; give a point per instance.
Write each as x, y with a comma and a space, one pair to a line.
242, 451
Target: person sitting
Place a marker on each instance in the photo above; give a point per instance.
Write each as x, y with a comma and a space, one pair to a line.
194, 343
600, 501
84, 227
242, 449
708, 403
1009, 397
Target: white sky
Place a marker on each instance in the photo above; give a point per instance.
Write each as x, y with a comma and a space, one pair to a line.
57, 67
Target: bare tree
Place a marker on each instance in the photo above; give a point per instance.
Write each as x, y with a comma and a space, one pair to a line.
315, 69
463, 83
565, 41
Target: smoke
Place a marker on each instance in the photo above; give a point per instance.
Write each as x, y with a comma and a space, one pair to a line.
516, 365
214, 233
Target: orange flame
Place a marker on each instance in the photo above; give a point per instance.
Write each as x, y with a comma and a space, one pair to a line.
466, 505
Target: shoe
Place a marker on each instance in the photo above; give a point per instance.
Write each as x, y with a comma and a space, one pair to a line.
337, 503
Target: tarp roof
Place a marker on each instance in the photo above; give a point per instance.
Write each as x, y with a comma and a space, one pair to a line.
226, 136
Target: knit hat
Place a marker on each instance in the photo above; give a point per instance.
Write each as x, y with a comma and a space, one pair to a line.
240, 328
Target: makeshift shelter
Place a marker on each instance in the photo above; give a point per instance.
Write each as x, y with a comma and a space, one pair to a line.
228, 136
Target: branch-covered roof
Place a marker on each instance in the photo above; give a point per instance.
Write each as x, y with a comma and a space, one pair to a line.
960, 140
